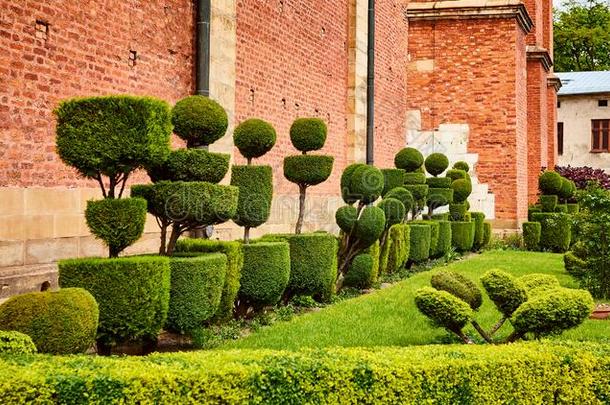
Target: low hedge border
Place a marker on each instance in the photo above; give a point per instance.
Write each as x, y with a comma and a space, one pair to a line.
544, 372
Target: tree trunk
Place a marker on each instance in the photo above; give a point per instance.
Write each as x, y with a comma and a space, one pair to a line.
176, 232
302, 191
483, 334
247, 235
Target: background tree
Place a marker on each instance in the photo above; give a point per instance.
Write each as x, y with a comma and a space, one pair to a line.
582, 36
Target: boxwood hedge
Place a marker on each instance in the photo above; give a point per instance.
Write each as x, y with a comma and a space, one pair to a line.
395, 252
265, 273
556, 231
462, 235
421, 235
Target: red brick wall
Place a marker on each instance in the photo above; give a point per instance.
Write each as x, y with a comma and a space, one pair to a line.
390, 81
536, 125
479, 78
292, 62
86, 53
552, 127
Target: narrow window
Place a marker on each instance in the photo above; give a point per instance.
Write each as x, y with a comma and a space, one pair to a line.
602, 103
559, 104
560, 138
600, 136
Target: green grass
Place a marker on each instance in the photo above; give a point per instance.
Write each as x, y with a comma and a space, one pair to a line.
389, 317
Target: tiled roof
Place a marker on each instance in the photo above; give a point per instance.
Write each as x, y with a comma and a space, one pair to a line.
584, 82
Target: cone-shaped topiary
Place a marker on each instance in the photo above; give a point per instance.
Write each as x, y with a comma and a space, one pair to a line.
436, 163
550, 183
199, 120
409, 159
254, 138
307, 134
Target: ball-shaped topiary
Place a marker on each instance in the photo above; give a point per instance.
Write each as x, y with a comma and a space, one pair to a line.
403, 195
346, 181
254, 138
360, 273
118, 222
394, 211
61, 322
199, 120
16, 343
369, 226
436, 163
550, 183
308, 134
366, 184
409, 159
461, 165
461, 190
346, 217
568, 188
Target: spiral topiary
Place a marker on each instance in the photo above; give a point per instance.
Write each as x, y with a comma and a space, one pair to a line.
436, 163
254, 137
409, 159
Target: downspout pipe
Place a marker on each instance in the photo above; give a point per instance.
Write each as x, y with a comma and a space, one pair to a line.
370, 87
202, 63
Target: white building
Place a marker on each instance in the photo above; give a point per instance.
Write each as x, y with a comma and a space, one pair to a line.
583, 120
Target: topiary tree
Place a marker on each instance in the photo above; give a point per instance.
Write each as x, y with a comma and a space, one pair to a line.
16, 343
307, 134
253, 138
107, 139
409, 159
185, 195
534, 304
550, 183
461, 165
412, 161
436, 164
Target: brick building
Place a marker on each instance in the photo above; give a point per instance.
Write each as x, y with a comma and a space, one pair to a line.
472, 78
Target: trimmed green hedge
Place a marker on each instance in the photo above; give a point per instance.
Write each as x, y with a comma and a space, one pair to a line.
531, 235
313, 264
457, 212
443, 244
392, 178
13, 342
479, 229
360, 273
529, 372
487, 231
439, 182
573, 208
562, 208
419, 250
395, 252
462, 235
548, 203
418, 191
255, 184
265, 273
415, 178
441, 217
556, 232
195, 290
59, 322
309, 170
132, 294
434, 233
438, 197
531, 210
235, 261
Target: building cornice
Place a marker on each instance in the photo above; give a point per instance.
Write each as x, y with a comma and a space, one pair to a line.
540, 54
553, 81
469, 9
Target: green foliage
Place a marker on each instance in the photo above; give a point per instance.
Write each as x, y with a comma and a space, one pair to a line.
346, 183
461, 190
536, 282
365, 184
436, 163
561, 208
443, 244
550, 183
462, 235
308, 134
458, 285
361, 272
420, 240
444, 309
418, 191
255, 184
531, 235
461, 165
440, 217
309, 170
415, 178
553, 312
573, 208
195, 290
61, 322
117, 222
457, 174
438, 197
434, 233
531, 210
548, 203
112, 136
392, 178
403, 195
568, 189
393, 210
370, 226
439, 182
395, 251
235, 260
346, 217
506, 292
313, 264
581, 36
574, 265
199, 120
132, 294
191, 165
254, 138
556, 231
409, 159
265, 273
16, 343
479, 229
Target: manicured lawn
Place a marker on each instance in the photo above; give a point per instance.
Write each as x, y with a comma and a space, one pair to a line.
389, 317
